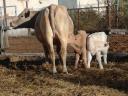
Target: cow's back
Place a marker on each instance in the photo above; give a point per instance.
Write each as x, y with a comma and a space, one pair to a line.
58, 21
63, 22
98, 36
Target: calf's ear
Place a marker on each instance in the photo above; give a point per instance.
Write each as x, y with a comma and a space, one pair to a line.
27, 13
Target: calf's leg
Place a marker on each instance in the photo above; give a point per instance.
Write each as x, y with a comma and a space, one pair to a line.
77, 60
98, 57
105, 58
84, 58
89, 58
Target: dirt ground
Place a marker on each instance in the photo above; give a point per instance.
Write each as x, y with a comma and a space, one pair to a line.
112, 81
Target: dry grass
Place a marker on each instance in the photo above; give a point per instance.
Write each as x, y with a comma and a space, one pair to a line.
113, 81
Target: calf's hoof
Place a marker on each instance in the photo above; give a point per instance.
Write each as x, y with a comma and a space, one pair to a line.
105, 63
75, 67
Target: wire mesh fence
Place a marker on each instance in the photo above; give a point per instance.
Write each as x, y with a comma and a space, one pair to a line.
98, 18
91, 18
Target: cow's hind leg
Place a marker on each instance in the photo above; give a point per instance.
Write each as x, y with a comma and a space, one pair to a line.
63, 54
52, 54
45, 54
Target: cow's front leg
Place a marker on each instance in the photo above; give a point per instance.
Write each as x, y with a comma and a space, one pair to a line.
98, 57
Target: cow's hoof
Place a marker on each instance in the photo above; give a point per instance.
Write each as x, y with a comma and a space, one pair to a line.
65, 71
88, 67
101, 68
54, 71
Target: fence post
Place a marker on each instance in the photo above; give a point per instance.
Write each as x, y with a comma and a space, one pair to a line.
5, 15
78, 19
108, 15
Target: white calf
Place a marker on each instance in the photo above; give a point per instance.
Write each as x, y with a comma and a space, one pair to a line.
97, 45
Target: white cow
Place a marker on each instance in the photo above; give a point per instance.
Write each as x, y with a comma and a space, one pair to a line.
97, 45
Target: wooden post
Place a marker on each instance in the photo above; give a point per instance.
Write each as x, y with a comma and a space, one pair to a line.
5, 15
78, 19
78, 10
4, 39
98, 3
108, 14
117, 9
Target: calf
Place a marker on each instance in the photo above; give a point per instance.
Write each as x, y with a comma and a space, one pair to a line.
78, 43
97, 45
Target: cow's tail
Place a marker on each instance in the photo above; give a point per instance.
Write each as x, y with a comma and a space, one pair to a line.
52, 18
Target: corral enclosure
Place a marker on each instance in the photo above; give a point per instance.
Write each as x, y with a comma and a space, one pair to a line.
90, 19
36, 80
32, 80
